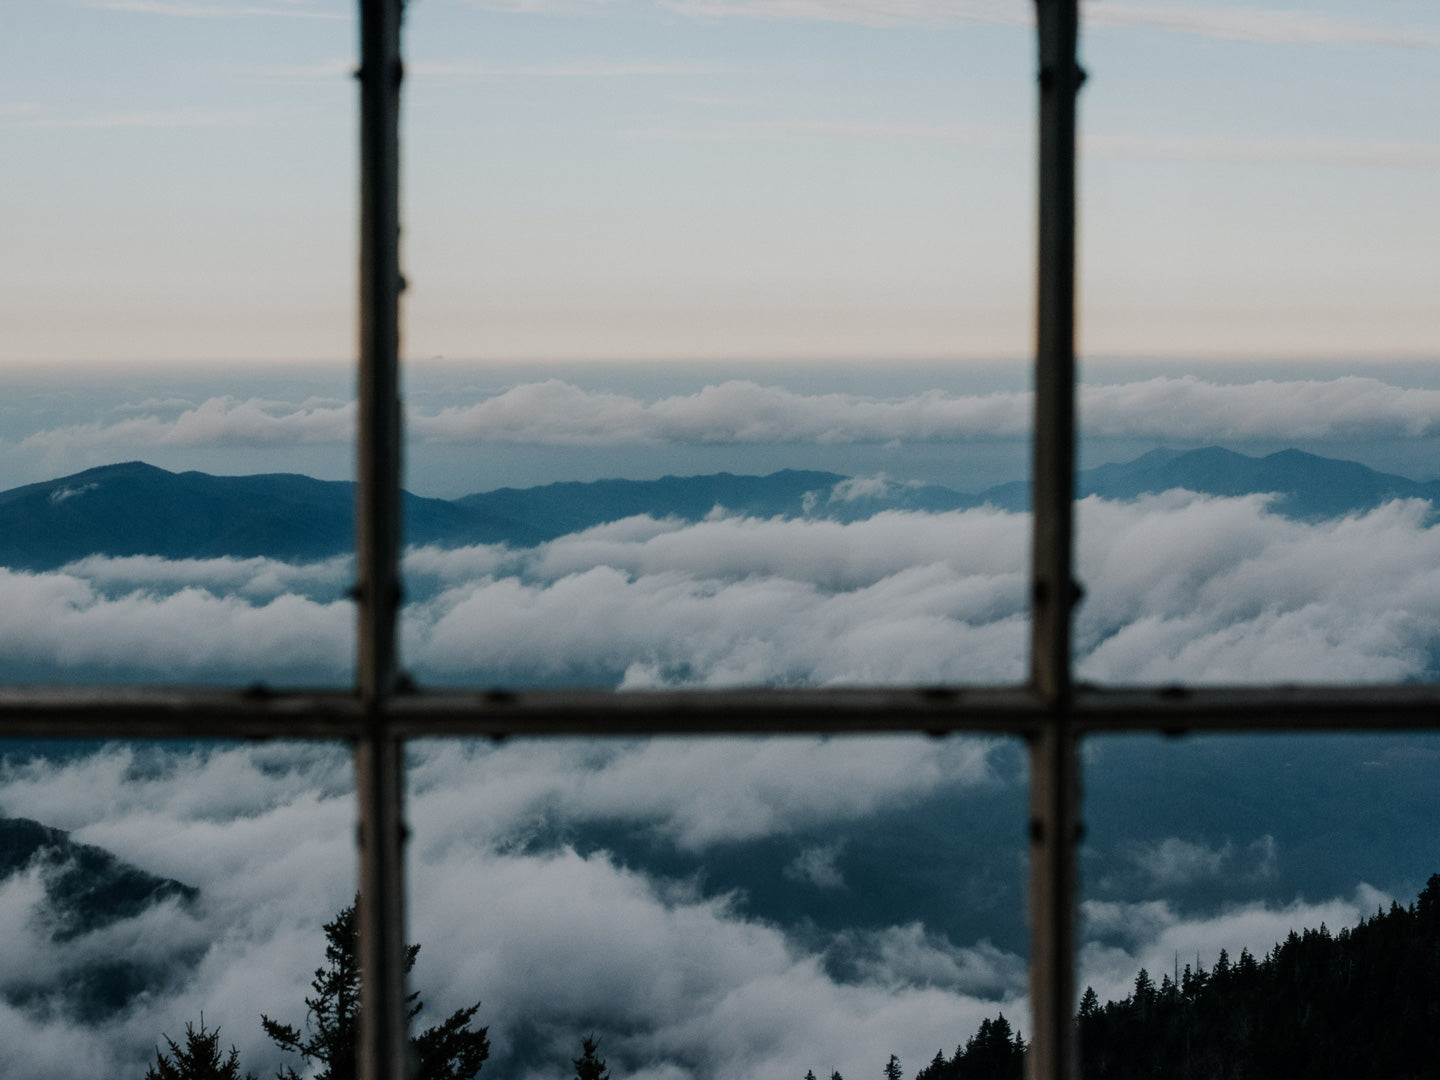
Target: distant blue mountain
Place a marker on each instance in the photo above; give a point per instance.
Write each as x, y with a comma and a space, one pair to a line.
1308, 486
138, 509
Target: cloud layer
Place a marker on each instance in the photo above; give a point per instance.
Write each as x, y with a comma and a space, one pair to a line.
1179, 588
559, 413
557, 938
557, 942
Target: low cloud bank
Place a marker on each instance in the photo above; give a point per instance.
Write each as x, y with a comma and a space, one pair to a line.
1219, 590
556, 942
559, 413
1179, 588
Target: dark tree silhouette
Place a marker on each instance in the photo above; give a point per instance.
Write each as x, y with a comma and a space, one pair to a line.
589, 1065
892, 1069
1362, 1004
450, 1050
198, 1059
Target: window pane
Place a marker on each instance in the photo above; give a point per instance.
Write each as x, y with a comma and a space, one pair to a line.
647, 244
1260, 249
1200, 845
176, 285
144, 885
717, 908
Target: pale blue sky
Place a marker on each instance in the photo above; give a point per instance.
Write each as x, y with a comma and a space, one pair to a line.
632, 179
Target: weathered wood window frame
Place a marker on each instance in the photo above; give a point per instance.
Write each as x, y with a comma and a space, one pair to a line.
1050, 712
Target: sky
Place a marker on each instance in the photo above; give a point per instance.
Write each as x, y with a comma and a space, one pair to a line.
717, 179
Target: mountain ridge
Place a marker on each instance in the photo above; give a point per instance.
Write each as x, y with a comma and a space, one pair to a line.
87, 889
133, 508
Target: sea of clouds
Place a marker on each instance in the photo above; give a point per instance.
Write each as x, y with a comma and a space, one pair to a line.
1179, 587
560, 939
555, 941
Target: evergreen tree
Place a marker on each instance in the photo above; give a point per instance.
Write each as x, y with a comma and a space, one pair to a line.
935, 1070
589, 1066
993, 1053
198, 1059
892, 1068
809, 1074
450, 1050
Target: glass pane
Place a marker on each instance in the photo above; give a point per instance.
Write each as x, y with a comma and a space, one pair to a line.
176, 285
717, 908
150, 886
1203, 856
1261, 247
769, 269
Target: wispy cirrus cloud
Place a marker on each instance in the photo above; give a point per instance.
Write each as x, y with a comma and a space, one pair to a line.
217, 10
182, 117
578, 69
1287, 27
855, 130
1363, 153
329, 70
1291, 27
864, 12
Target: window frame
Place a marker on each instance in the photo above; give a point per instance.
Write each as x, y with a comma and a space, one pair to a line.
1050, 712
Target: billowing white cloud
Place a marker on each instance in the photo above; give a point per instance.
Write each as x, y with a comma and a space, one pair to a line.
910, 954
817, 866
555, 942
1180, 588
910, 598
1173, 863
1184, 589
695, 794
558, 413
854, 488
255, 579
59, 622
219, 420
265, 832
737, 411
